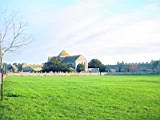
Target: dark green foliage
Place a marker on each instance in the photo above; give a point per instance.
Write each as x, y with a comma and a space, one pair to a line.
15, 67
55, 65
102, 69
9, 68
121, 66
95, 63
20, 67
47, 67
80, 68
28, 69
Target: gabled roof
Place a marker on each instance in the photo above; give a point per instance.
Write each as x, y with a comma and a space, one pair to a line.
71, 59
63, 53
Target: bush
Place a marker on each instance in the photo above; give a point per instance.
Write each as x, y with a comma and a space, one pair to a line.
80, 68
55, 66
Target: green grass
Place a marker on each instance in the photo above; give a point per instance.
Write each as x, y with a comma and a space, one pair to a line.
81, 98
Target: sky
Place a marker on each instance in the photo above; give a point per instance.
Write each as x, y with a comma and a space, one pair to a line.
109, 30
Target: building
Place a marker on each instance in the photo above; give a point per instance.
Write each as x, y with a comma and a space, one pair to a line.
71, 60
93, 70
32, 67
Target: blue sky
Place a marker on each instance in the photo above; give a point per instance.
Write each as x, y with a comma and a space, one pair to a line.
111, 30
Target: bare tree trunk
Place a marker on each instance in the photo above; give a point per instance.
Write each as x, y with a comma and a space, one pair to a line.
2, 85
1, 69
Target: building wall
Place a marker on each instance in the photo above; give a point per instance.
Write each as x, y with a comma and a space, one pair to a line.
35, 67
81, 60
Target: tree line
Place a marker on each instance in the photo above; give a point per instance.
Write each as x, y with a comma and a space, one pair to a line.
55, 65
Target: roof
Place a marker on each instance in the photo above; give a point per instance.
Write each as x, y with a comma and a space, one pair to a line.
63, 53
71, 59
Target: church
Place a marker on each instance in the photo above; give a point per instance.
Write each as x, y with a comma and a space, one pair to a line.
71, 60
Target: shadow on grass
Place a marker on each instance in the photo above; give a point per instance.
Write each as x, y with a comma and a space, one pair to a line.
12, 94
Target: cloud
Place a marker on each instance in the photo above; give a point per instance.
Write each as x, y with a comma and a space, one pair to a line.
126, 34
98, 29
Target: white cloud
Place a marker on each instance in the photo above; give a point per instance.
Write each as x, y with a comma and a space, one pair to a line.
89, 27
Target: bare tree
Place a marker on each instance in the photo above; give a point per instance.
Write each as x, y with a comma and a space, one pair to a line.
12, 37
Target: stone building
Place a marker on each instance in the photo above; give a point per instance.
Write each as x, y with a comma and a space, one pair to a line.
71, 60
32, 67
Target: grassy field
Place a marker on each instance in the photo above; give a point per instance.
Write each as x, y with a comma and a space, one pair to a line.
81, 98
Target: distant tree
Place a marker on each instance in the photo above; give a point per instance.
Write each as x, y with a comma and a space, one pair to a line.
20, 67
55, 65
55, 61
58, 66
71, 69
102, 69
9, 68
127, 67
64, 67
28, 69
80, 68
47, 67
120, 66
17, 67
95, 63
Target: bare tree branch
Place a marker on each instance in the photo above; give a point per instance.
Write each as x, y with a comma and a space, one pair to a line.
4, 35
18, 38
12, 37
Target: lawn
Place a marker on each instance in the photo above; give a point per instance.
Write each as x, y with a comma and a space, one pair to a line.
81, 98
